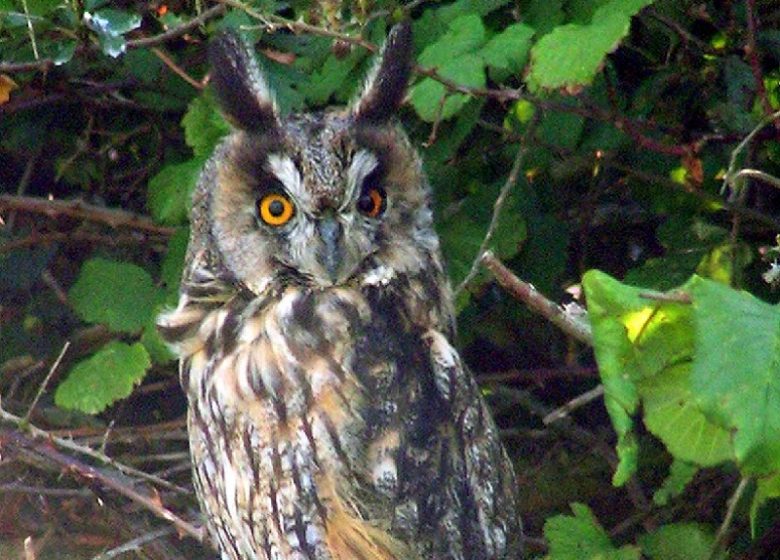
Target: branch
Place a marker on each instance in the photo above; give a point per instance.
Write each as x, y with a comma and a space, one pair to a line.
73, 446
176, 32
570, 321
20, 442
46, 64
83, 211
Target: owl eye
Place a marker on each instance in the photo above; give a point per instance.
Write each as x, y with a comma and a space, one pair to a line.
275, 209
372, 201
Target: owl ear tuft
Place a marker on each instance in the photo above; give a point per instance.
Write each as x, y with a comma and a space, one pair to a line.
241, 88
386, 84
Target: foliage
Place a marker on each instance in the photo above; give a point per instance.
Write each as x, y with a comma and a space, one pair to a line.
630, 122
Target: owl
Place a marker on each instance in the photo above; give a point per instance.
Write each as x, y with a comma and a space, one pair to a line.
329, 415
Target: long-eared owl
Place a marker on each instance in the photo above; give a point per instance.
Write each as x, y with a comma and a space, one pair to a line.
330, 417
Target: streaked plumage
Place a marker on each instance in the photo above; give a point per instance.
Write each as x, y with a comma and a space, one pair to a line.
330, 417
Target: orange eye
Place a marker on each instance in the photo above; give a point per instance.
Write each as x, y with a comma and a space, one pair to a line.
275, 209
372, 202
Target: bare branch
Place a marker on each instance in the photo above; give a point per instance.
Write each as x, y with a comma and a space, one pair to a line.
569, 322
81, 210
83, 470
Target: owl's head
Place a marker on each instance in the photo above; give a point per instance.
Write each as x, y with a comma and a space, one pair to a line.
325, 199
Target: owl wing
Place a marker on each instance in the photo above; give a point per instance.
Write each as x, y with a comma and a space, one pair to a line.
485, 483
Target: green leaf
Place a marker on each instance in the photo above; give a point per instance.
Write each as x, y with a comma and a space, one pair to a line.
680, 474
644, 350
672, 413
735, 374
173, 263
766, 489
203, 125
155, 346
110, 25
104, 378
509, 49
465, 35
462, 233
170, 191
679, 541
581, 538
571, 55
426, 97
119, 294
331, 77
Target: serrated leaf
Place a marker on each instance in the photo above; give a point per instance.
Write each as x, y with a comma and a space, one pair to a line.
581, 538
203, 125
509, 49
118, 294
571, 55
465, 35
170, 191
426, 97
735, 373
678, 541
104, 378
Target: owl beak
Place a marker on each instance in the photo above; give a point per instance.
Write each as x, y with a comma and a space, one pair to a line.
332, 250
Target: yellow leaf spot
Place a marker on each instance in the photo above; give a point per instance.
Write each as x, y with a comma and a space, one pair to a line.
636, 322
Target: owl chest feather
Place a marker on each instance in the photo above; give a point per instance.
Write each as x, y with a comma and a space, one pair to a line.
298, 421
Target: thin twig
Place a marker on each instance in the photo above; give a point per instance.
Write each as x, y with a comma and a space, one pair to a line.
733, 501
83, 211
176, 69
671, 297
731, 172
73, 446
135, 544
575, 403
89, 472
178, 31
498, 205
46, 64
571, 323
760, 175
42, 388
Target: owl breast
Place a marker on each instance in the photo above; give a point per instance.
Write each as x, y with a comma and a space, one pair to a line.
323, 429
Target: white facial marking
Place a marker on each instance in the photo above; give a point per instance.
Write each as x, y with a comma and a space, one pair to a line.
362, 165
284, 169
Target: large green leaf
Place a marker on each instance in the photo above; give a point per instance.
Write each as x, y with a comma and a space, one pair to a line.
736, 373
119, 294
99, 381
645, 349
571, 55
